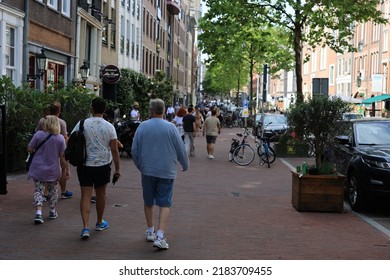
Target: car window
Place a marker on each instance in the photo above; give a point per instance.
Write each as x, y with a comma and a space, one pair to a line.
373, 133
275, 119
352, 116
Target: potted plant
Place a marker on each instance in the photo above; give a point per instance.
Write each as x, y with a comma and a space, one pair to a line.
316, 123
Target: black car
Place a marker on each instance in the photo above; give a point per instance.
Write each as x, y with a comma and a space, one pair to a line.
272, 126
362, 154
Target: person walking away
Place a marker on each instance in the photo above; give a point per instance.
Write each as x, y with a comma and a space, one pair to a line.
189, 127
178, 121
135, 114
170, 113
198, 120
102, 149
212, 127
157, 162
55, 109
47, 166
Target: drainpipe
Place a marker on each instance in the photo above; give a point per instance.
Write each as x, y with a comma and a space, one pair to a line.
26, 30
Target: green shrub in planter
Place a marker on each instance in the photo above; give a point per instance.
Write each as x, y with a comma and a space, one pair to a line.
317, 122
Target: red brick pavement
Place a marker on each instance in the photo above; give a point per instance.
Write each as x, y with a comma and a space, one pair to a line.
221, 211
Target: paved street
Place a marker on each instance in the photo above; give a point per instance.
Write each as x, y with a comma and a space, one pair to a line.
221, 211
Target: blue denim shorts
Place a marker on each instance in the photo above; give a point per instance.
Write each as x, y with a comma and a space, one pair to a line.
157, 191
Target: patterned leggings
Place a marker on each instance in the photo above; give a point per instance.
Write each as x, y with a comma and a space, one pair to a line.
52, 188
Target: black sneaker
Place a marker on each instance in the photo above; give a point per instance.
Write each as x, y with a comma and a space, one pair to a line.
38, 219
93, 199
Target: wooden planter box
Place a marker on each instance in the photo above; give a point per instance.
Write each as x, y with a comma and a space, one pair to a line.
291, 150
318, 193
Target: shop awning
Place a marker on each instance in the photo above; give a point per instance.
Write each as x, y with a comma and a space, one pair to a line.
377, 98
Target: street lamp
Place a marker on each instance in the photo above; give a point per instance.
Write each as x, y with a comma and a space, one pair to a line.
84, 72
41, 65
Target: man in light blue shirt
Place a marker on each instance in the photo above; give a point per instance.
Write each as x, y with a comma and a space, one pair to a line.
156, 150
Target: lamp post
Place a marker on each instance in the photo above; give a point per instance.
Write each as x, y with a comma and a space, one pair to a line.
41, 65
84, 72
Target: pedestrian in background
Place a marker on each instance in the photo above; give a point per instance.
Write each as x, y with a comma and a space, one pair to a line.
157, 162
189, 126
47, 166
170, 113
135, 114
178, 121
198, 120
102, 149
55, 109
211, 127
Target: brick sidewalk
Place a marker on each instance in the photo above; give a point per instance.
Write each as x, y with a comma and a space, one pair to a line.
220, 211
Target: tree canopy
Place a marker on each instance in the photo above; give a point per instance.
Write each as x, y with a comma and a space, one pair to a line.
320, 22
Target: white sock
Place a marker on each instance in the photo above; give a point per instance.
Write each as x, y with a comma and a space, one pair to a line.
150, 230
39, 212
160, 234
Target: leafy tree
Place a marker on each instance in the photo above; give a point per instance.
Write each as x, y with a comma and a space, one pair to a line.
134, 86
231, 35
322, 22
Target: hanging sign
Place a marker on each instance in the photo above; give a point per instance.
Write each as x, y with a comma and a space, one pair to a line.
111, 74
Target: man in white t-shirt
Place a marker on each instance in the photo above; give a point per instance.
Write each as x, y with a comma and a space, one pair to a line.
134, 114
170, 113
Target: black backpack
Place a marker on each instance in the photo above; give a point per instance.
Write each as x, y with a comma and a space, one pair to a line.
75, 151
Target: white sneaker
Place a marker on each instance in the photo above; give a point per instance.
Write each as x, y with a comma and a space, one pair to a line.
210, 156
161, 243
150, 237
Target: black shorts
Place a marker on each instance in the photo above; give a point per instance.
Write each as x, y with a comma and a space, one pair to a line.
211, 139
96, 176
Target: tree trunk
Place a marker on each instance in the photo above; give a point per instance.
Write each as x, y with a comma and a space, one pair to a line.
298, 63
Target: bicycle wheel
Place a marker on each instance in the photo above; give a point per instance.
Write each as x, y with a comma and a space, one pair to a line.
244, 155
272, 154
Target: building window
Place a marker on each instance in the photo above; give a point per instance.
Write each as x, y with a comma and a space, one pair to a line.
122, 39
313, 60
331, 75
133, 41
52, 4
385, 41
137, 51
138, 9
65, 8
10, 52
323, 58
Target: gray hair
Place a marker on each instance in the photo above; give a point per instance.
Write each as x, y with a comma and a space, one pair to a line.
157, 106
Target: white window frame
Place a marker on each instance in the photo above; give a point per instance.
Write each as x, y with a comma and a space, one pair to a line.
323, 58
52, 4
331, 74
306, 68
385, 46
65, 7
313, 61
10, 68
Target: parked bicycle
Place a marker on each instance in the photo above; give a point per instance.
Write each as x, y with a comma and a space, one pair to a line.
264, 150
240, 151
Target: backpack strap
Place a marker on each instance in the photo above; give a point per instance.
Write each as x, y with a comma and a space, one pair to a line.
81, 128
